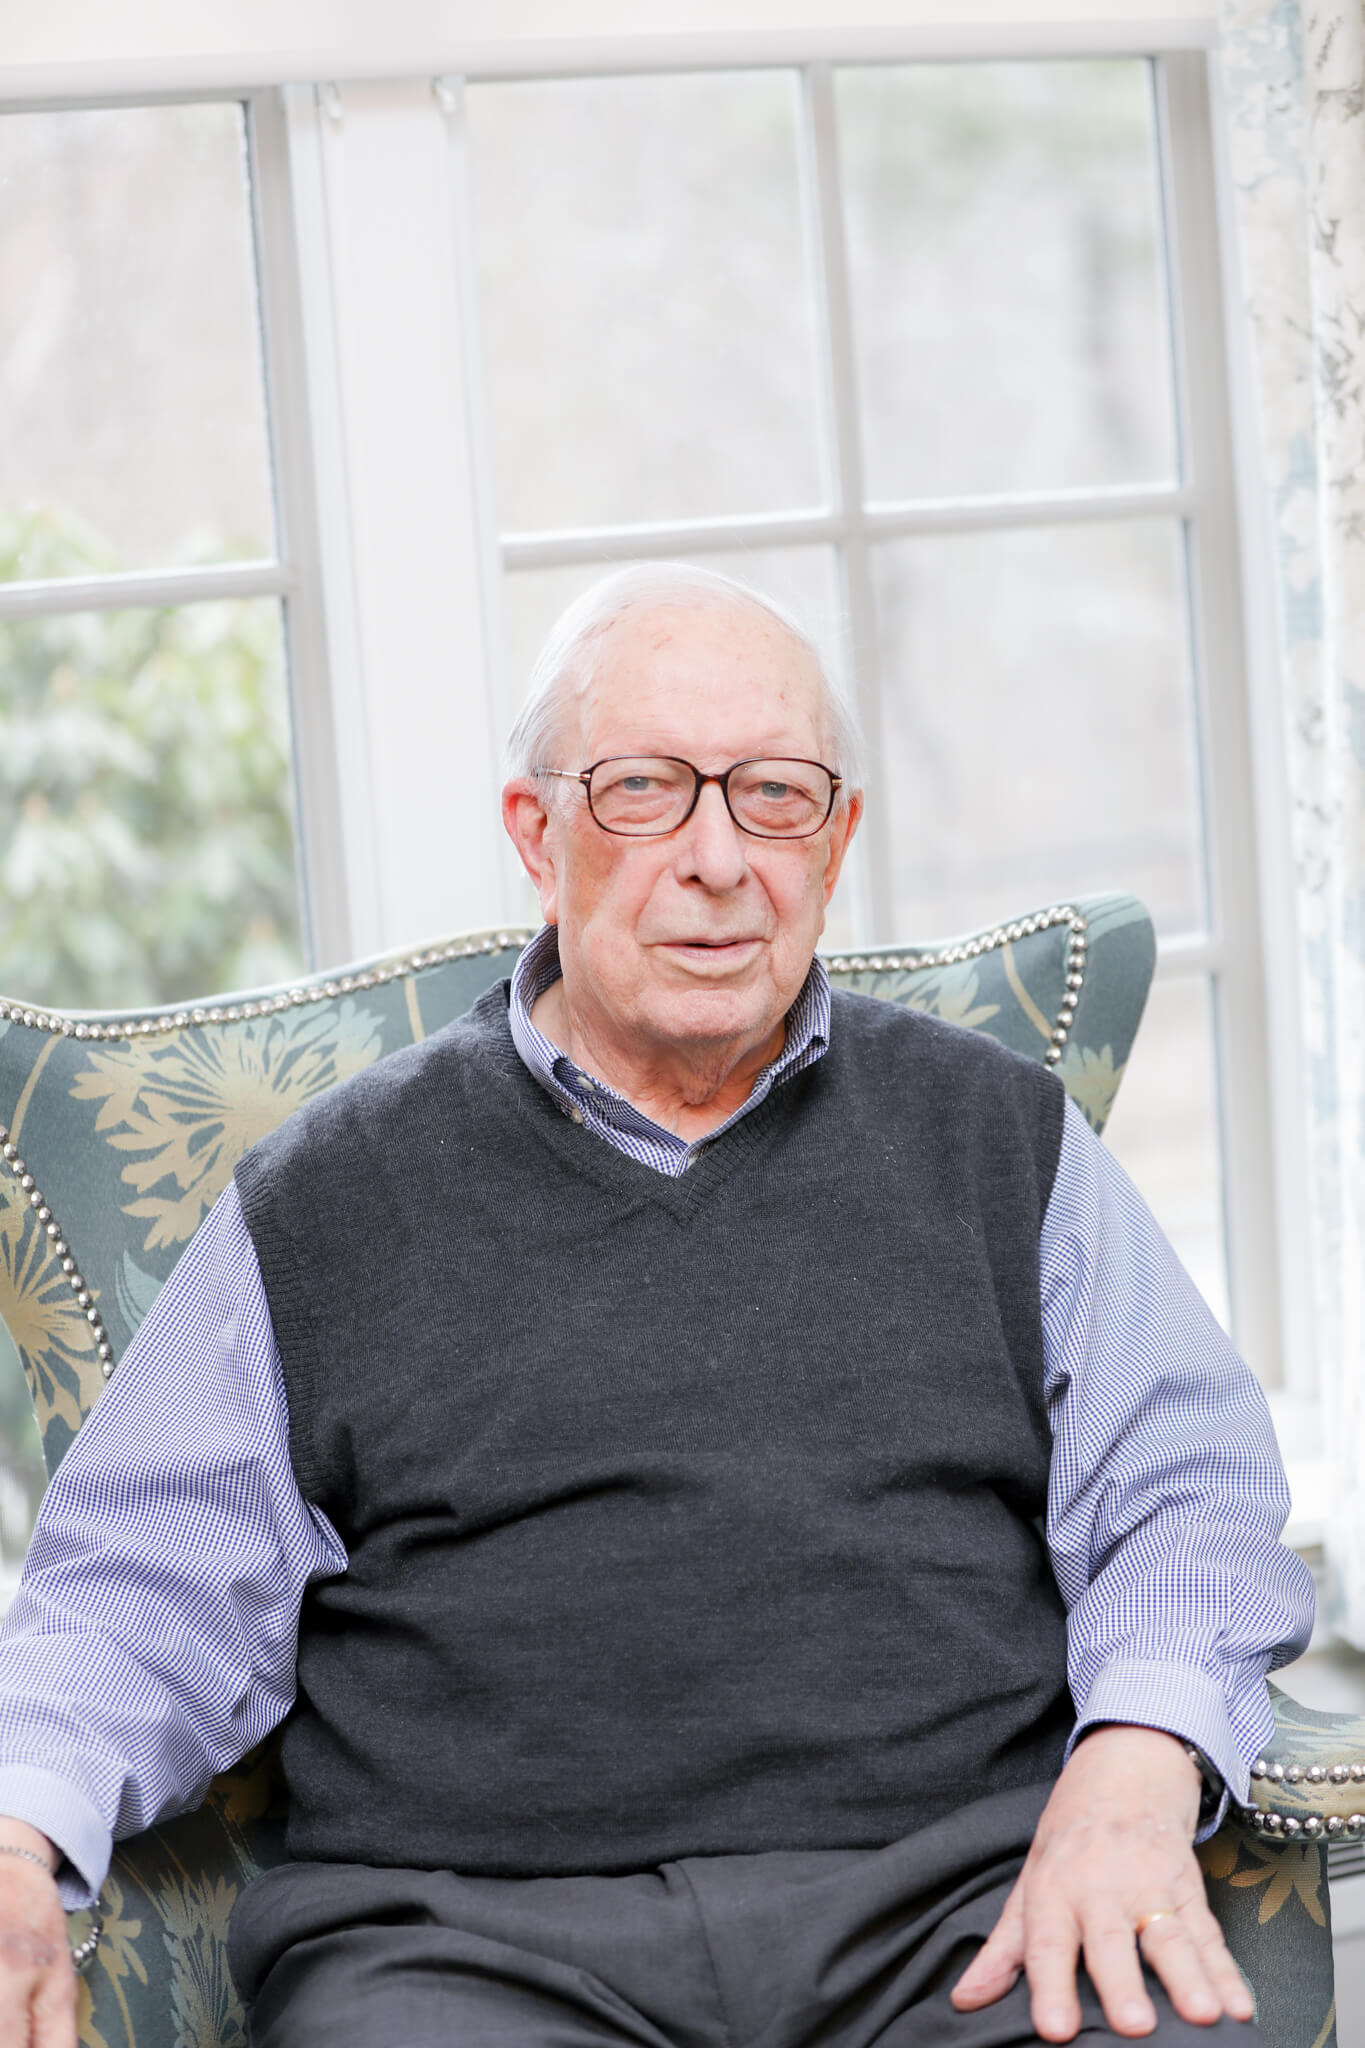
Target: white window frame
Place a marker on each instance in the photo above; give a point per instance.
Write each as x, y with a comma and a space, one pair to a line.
390, 566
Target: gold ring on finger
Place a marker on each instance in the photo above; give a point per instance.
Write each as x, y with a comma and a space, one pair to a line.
1149, 1919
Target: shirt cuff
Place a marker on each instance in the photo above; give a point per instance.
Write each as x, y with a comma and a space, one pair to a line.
1181, 1700
62, 1812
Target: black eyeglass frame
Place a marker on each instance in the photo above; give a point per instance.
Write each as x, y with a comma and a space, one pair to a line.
699, 781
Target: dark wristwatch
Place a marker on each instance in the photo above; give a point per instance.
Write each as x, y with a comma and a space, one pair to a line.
1211, 1794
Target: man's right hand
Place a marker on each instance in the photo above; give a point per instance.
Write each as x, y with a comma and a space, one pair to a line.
37, 1982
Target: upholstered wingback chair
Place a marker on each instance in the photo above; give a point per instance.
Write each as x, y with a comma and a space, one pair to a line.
117, 1133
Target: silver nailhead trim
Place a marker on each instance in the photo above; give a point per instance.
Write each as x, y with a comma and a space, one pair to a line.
1309, 1827
1315, 1774
61, 1251
288, 999
83, 1955
989, 942
465, 949
505, 941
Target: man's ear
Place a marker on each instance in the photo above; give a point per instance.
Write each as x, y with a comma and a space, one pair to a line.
526, 816
842, 829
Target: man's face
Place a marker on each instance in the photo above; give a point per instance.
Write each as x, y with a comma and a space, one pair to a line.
705, 935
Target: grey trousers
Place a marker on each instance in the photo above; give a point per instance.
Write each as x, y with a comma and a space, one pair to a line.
840, 1949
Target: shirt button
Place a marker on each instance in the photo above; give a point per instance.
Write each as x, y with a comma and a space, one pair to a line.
576, 1114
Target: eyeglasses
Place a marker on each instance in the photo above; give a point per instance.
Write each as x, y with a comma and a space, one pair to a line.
643, 796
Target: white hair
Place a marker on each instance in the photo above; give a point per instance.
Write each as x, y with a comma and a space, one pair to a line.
567, 660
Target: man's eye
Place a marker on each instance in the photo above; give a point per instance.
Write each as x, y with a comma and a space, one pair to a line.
636, 785
774, 791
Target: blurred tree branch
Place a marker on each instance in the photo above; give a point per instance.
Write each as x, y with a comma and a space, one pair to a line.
146, 818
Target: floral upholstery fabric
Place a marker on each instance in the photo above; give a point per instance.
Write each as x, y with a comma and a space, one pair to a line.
119, 1133
1268, 1883
1271, 1902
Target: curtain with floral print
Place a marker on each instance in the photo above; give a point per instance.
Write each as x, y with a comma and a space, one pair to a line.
1294, 82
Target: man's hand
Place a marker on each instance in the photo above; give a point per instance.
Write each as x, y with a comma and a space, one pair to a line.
37, 1982
1112, 1874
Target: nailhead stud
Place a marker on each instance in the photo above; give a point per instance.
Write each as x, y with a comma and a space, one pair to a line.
83, 1954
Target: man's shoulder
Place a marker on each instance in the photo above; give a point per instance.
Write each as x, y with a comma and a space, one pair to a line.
877, 1028
921, 1080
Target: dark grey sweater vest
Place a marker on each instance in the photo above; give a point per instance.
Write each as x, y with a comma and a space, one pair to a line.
685, 1517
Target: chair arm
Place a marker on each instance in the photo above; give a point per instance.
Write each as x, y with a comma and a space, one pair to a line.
1310, 1784
160, 1977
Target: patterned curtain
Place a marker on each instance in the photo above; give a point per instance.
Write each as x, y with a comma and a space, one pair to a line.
1294, 78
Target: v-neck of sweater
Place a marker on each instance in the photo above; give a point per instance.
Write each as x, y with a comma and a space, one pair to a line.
601, 1162
587, 1098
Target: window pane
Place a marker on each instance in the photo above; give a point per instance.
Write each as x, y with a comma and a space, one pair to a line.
146, 816
1038, 723
646, 320
1003, 235
131, 398
1164, 1130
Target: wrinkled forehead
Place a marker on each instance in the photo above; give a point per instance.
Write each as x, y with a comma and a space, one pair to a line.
713, 679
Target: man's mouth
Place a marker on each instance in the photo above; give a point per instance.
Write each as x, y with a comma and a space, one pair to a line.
704, 953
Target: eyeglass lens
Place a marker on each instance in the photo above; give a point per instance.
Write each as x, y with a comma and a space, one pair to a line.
642, 795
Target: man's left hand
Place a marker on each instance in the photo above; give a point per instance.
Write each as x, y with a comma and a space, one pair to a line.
1112, 1877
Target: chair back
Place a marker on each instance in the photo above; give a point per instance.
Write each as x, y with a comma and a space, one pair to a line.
119, 1131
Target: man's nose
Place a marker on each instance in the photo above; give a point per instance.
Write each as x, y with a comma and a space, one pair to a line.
712, 847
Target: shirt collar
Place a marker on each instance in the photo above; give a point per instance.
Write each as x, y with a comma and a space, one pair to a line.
807, 1039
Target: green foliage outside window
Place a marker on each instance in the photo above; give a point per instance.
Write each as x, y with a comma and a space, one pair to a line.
146, 814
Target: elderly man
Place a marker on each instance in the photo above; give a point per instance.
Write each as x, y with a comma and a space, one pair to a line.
628, 1423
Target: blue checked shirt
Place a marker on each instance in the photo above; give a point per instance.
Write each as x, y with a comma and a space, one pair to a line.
152, 1640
